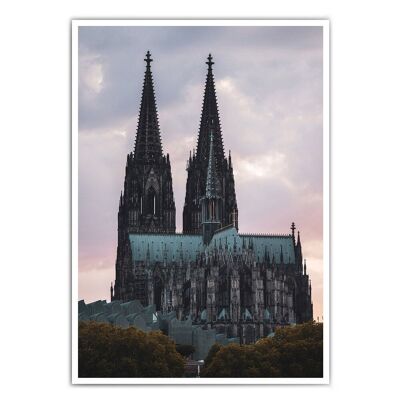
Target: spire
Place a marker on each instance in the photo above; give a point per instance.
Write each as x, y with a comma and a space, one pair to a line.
212, 183
298, 252
209, 121
148, 141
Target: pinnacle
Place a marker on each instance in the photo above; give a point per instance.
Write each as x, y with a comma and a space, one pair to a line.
210, 121
148, 141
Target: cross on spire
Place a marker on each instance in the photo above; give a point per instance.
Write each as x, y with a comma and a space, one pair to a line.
148, 58
209, 62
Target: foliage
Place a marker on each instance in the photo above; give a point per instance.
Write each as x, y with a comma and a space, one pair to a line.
295, 351
109, 351
215, 348
185, 350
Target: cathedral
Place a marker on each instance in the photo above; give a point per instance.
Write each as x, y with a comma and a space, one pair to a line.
243, 285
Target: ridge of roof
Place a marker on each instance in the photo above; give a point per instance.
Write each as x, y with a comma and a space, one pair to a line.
277, 235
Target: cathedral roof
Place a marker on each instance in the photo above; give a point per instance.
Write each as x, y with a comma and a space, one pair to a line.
175, 247
261, 244
274, 245
171, 247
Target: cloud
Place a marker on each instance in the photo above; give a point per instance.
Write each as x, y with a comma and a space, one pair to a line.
91, 74
262, 167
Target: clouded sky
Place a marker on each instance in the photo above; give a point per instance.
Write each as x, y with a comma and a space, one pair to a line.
269, 89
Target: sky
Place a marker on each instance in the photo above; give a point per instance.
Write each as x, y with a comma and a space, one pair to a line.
269, 83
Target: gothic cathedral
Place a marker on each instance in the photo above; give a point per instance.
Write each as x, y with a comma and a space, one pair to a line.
241, 285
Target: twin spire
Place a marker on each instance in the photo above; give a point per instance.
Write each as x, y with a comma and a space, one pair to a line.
148, 147
210, 123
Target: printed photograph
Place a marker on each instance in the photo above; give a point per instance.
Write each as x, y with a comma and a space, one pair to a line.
200, 203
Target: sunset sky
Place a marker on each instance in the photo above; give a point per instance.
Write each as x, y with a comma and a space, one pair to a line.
269, 87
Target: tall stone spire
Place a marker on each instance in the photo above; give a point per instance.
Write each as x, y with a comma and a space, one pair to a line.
209, 123
198, 166
148, 147
147, 201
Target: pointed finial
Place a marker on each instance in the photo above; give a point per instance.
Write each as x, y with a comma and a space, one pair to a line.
298, 237
148, 58
293, 227
209, 62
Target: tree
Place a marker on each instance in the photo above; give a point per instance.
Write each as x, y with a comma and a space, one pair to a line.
109, 351
215, 348
295, 351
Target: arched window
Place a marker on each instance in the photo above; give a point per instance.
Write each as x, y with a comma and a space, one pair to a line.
151, 203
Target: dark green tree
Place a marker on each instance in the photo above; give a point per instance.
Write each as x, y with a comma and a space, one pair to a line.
109, 351
215, 348
295, 351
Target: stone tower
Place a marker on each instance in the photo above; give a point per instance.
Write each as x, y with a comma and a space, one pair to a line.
198, 165
147, 201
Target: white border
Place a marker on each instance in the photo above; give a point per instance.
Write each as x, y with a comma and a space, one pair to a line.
326, 201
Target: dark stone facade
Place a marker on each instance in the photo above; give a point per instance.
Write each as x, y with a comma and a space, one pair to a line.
239, 285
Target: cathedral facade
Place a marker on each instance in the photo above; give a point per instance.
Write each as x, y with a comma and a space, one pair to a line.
239, 284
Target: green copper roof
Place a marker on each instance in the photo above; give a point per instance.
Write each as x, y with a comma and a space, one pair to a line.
273, 245
157, 247
174, 247
262, 244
